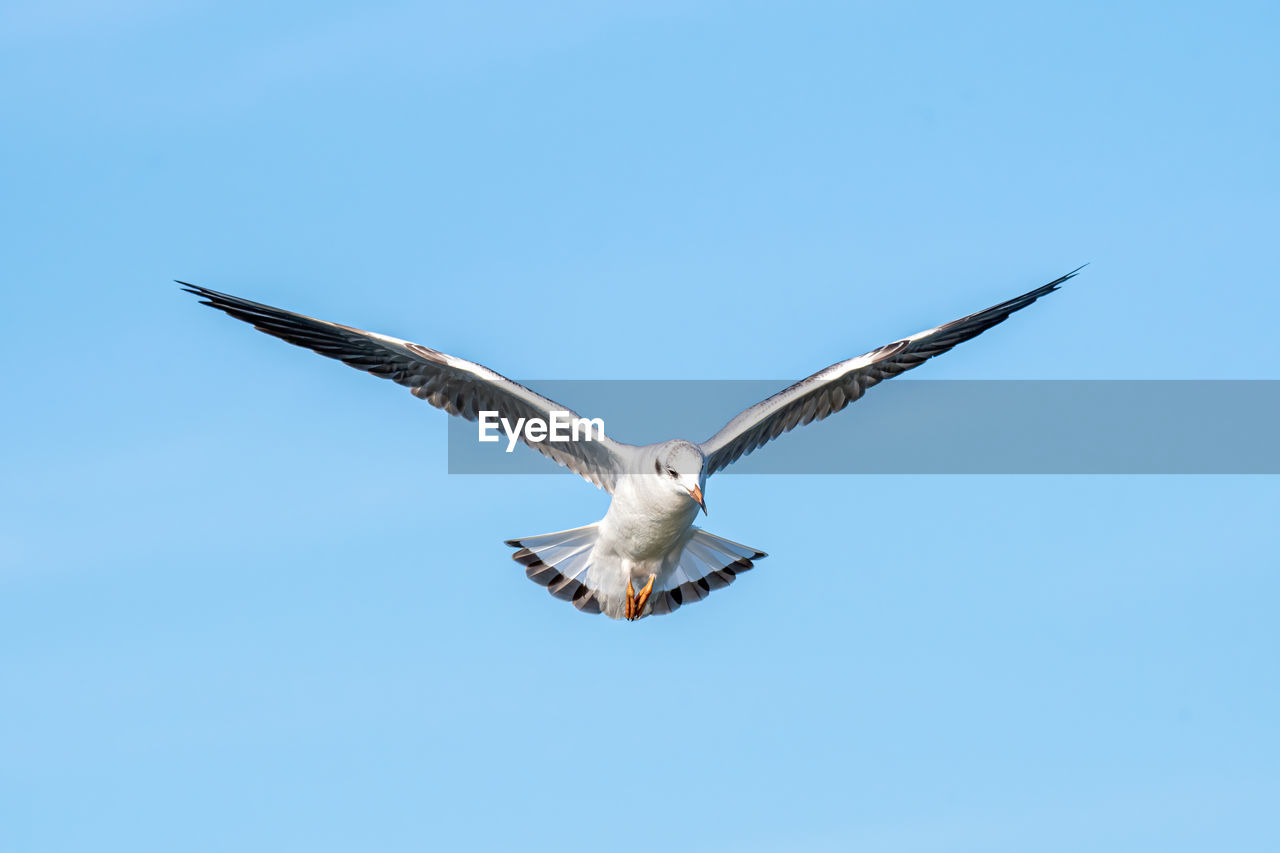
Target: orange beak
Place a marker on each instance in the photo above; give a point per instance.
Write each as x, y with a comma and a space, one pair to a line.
696, 494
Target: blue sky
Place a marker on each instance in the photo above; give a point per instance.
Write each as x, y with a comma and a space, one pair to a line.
242, 605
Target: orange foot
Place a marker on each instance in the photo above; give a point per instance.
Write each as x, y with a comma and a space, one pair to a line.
636, 603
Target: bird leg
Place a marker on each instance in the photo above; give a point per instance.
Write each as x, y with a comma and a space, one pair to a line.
631, 601
636, 606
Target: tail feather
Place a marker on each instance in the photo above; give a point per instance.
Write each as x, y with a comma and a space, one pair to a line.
707, 563
559, 561
566, 564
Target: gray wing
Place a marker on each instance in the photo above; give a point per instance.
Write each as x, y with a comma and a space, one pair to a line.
458, 386
828, 391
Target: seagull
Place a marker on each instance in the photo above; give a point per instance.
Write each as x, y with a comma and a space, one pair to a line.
645, 557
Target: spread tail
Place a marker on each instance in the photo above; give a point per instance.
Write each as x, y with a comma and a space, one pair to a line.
706, 563
559, 561
563, 563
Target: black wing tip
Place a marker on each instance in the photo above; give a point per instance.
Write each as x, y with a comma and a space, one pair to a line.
218, 299
212, 298
1058, 282
1020, 302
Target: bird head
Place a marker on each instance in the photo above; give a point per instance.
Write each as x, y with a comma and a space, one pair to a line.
682, 465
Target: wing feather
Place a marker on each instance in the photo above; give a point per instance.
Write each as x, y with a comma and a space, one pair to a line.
828, 391
457, 386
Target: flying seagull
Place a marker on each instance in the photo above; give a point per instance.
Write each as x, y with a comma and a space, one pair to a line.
645, 557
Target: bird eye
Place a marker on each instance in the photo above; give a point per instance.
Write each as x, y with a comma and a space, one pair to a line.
672, 473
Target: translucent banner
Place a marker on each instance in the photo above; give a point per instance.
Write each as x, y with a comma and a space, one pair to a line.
907, 426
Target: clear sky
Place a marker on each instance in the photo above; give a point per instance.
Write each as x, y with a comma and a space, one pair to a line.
244, 607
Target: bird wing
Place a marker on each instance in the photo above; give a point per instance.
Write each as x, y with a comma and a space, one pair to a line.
830, 390
458, 386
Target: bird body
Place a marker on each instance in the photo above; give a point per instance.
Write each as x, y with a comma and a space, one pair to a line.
646, 535
645, 557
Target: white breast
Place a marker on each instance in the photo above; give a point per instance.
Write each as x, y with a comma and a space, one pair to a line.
646, 520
